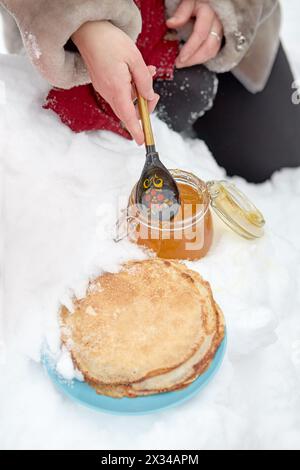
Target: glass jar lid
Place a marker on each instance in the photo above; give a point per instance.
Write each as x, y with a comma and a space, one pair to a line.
236, 210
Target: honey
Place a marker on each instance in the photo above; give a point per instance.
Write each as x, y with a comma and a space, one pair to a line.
188, 232
188, 235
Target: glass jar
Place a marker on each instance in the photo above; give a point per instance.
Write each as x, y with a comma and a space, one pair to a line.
190, 234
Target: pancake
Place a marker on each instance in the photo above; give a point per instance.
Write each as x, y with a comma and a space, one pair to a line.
150, 328
141, 322
178, 378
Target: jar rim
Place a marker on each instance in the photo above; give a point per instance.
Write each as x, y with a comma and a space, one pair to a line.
183, 177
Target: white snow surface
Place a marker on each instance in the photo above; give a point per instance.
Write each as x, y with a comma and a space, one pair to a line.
59, 198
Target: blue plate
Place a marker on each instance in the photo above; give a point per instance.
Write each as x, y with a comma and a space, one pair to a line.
86, 395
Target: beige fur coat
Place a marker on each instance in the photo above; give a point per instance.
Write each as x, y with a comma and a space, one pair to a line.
251, 30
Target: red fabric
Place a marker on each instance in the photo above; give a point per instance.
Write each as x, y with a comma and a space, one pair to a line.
82, 109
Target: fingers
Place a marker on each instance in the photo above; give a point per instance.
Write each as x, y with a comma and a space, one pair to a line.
203, 25
209, 49
142, 77
151, 103
123, 107
182, 15
152, 69
122, 101
117, 92
129, 115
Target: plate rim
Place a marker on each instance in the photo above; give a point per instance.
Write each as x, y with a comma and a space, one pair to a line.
65, 387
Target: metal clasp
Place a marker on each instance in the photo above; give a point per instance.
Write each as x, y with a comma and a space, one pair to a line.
125, 227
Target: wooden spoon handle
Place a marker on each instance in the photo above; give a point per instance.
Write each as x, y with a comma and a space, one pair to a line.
145, 117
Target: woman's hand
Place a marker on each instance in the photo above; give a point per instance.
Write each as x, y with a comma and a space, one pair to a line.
114, 62
206, 38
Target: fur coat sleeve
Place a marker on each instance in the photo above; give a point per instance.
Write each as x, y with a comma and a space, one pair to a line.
251, 29
46, 26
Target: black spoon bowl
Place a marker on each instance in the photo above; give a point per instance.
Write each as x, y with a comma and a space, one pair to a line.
157, 193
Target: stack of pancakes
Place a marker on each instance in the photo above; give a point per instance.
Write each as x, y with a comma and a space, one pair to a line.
153, 327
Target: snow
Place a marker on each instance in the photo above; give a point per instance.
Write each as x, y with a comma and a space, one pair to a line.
60, 195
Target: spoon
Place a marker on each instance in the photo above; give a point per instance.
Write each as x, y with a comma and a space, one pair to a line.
157, 193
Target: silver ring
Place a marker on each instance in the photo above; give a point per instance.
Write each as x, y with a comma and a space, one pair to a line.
216, 35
